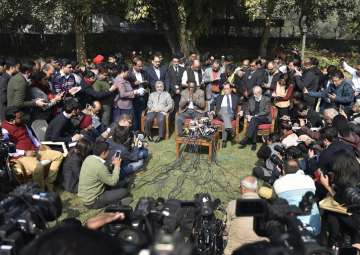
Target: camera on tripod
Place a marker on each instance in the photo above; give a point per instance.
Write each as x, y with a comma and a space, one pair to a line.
6, 175
153, 219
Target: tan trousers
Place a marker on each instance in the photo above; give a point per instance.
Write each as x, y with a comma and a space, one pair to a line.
33, 167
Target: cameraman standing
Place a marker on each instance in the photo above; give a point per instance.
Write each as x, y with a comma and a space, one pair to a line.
240, 229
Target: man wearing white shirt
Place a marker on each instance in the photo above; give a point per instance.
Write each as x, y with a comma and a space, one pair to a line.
139, 79
292, 186
355, 72
192, 74
226, 110
155, 72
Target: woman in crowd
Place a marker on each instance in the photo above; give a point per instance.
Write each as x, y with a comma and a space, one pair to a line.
282, 95
344, 187
72, 165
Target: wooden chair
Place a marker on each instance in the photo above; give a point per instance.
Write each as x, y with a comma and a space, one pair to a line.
217, 122
265, 129
155, 124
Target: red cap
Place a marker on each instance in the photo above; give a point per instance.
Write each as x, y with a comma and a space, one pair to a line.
85, 122
98, 59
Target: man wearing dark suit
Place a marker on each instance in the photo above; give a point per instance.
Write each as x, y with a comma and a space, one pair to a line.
253, 77
61, 128
257, 112
139, 79
226, 110
9, 70
173, 80
155, 72
18, 91
308, 80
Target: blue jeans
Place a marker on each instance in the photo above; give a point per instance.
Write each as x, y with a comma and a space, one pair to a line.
129, 167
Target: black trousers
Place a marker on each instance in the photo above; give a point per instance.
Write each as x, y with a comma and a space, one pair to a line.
109, 197
253, 127
139, 104
160, 118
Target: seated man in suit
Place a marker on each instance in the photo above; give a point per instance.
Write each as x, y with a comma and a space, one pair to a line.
226, 110
192, 105
159, 104
257, 112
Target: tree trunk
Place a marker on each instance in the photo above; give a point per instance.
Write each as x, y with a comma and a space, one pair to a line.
187, 40
265, 38
171, 39
80, 32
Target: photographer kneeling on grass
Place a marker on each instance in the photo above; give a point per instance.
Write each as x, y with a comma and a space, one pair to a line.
95, 179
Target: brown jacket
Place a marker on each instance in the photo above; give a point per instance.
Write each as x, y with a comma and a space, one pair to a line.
239, 229
198, 99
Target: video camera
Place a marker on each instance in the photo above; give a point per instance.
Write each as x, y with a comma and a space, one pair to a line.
6, 176
278, 221
193, 220
24, 215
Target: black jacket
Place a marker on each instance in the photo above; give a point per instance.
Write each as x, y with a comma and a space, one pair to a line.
264, 107
309, 80
153, 78
234, 103
253, 78
88, 94
71, 172
60, 129
4, 80
173, 78
326, 158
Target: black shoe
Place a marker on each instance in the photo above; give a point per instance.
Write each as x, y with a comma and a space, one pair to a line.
150, 138
244, 141
224, 144
231, 133
253, 147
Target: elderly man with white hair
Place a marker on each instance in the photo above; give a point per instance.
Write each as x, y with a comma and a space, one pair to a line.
328, 115
239, 230
257, 112
159, 104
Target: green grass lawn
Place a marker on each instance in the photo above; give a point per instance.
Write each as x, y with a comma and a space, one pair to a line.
190, 175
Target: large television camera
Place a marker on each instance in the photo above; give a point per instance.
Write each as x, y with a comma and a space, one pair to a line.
194, 221
24, 215
278, 221
7, 178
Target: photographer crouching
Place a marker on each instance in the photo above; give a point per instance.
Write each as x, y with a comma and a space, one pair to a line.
344, 187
